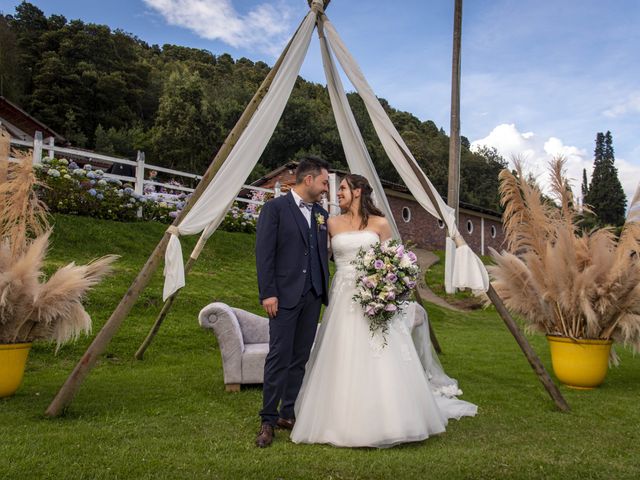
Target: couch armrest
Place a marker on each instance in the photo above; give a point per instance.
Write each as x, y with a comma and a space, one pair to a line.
220, 318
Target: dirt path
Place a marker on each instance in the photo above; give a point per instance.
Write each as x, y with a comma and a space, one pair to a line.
425, 260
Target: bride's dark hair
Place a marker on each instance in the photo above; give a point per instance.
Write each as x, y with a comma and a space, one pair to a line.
367, 207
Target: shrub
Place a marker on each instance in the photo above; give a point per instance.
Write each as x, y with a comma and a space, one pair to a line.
65, 187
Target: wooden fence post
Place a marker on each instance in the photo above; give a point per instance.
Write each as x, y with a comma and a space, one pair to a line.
37, 148
139, 185
51, 144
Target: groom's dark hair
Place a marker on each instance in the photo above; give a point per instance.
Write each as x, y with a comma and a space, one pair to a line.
310, 165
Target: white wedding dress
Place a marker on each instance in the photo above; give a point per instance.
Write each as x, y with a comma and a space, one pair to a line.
357, 393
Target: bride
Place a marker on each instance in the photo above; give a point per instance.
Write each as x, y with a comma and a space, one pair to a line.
357, 392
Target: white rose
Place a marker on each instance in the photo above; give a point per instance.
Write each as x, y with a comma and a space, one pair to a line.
405, 262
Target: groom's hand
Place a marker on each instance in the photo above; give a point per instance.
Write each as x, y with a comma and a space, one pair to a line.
270, 306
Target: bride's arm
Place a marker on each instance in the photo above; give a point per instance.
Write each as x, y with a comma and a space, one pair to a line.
384, 229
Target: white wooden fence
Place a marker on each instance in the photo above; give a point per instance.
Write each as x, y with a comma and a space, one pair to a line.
43, 149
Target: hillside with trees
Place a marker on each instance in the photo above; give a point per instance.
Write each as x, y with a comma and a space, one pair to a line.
109, 91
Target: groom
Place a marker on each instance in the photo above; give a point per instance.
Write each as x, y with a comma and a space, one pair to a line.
293, 278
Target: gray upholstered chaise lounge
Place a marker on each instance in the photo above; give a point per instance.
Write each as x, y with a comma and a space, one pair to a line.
243, 338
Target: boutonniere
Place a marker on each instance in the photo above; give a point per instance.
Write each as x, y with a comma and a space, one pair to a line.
320, 221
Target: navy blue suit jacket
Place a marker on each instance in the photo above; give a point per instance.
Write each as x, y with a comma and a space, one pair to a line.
282, 249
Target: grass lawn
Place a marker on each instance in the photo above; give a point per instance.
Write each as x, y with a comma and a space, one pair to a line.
169, 417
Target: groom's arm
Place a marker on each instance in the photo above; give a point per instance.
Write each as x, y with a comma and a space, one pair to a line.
266, 246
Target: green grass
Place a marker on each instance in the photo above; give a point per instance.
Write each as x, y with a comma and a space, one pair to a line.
169, 417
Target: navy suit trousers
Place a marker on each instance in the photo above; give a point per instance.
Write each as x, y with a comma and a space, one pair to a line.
291, 335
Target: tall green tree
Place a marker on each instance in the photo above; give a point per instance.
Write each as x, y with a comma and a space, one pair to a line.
585, 184
11, 85
605, 195
183, 131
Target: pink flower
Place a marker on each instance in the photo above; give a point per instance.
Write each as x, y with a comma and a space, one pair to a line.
391, 308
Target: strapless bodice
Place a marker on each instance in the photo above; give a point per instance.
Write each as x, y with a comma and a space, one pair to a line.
346, 245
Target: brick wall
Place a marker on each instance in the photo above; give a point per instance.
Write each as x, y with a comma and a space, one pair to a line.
426, 232
421, 228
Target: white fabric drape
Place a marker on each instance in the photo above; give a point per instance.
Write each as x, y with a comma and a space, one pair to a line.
353, 144
469, 272
217, 198
211, 207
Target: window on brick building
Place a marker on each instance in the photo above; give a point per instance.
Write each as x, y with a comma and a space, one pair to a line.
440, 223
406, 214
469, 226
494, 232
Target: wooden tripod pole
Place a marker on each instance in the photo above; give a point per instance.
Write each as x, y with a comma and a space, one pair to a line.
432, 333
169, 302
99, 344
526, 348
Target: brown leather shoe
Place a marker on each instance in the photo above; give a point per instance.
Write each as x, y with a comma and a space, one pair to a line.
286, 423
265, 435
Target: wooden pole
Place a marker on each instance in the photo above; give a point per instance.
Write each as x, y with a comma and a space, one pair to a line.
453, 192
166, 307
432, 332
533, 359
99, 344
526, 348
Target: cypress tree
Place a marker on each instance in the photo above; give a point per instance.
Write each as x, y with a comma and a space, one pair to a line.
585, 184
605, 194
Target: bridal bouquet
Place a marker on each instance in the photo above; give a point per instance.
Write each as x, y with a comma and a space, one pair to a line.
388, 273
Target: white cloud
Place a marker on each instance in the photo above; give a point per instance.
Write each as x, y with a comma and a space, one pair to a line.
630, 105
264, 28
537, 153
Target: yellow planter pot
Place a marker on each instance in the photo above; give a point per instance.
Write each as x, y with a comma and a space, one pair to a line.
13, 358
580, 364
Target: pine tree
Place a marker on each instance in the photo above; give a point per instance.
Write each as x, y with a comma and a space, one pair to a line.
605, 194
585, 184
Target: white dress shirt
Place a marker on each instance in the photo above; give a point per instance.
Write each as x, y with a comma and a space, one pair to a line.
305, 211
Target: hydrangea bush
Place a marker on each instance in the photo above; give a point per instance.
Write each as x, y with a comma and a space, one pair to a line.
71, 189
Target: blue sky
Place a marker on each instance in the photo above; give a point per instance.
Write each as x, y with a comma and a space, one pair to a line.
539, 78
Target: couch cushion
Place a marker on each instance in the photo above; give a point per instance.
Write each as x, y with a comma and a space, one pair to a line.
253, 362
